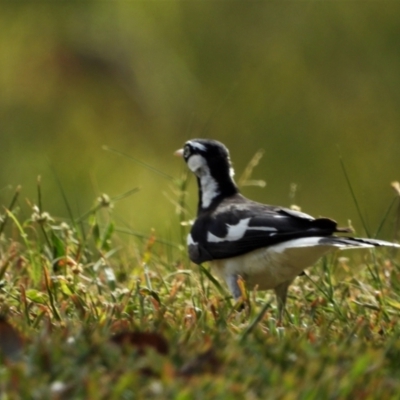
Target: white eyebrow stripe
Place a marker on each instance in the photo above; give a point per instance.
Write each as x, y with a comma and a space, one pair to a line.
236, 232
197, 145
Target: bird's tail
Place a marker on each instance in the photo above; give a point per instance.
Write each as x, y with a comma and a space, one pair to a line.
349, 242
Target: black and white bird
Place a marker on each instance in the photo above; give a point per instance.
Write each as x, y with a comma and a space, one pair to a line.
267, 246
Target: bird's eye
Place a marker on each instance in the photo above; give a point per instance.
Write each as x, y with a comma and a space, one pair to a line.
186, 152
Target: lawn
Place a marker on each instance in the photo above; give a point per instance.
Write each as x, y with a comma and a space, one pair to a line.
93, 310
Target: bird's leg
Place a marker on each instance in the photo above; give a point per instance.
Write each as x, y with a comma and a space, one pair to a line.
232, 282
237, 287
281, 295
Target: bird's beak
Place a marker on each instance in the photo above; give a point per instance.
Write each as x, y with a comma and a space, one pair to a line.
179, 153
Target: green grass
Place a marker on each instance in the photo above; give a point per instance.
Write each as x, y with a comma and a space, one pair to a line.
90, 314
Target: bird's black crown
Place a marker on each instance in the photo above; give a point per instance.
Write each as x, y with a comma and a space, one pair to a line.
210, 149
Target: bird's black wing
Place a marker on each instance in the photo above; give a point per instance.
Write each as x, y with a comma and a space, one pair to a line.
239, 226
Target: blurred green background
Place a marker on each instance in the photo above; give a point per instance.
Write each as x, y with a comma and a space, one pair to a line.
298, 79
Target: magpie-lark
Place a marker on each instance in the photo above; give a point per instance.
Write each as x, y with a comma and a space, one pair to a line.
268, 246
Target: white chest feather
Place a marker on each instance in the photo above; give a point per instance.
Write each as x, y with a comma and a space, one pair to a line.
209, 189
209, 186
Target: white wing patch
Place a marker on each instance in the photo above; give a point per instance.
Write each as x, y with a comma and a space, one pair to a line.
236, 232
262, 228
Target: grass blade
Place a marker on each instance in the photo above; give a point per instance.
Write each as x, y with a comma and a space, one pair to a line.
143, 164
385, 216
10, 207
250, 327
207, 273
64, 196
354, 196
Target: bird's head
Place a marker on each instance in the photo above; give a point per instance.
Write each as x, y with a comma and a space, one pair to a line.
209, 161
202, 155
